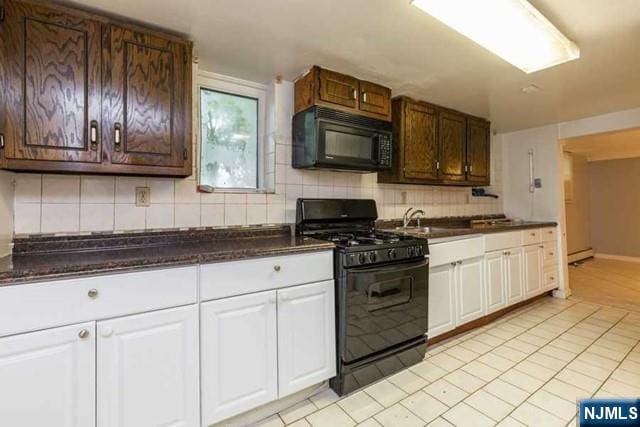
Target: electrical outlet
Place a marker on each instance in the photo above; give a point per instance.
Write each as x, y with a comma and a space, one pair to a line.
403, 197
143, 196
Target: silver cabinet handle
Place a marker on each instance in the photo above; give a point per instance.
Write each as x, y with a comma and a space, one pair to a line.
93, 135
364, 96
83, 334
277, 267
454, 263
93, 293
459, 263
117, 137
354, 93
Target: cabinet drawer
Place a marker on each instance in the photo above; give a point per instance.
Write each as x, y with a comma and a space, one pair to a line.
550, 254
46, 305
494, 242
530, 237
550, 277
457, 250
548, 234
242, 277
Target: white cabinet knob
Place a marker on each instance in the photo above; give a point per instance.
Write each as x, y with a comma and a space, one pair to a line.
84, 334
276, 267
93, 293
106, 331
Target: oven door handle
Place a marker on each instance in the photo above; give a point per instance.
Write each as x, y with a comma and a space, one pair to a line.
391, 269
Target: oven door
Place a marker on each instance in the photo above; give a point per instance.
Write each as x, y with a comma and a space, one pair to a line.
347, 147
382, 307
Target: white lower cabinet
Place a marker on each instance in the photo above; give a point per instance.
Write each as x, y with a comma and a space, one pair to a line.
239, 352
442, 299
533, 259
259, 347
306, 336
148, 369
47, 378
515, 275
470, 290
496, 265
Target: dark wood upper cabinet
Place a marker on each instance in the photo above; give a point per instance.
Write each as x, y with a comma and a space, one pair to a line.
74, 83
478, 149
437, 146
51, 72
420, 148
337, 88
375, 98
342, 92
144, 99
452, 146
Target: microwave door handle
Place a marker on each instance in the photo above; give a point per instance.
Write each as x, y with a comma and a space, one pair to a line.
392, 269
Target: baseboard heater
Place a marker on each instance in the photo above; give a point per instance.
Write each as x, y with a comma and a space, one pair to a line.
580, 255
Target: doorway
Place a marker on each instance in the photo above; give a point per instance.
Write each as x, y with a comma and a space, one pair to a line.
601, 177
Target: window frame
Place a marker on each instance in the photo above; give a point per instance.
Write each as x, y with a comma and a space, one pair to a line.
242, 88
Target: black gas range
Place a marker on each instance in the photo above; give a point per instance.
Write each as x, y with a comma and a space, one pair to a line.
381, 280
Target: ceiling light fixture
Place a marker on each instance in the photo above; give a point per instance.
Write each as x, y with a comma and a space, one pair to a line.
512, 29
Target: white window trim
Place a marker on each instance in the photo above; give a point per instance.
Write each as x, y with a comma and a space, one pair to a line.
235, 86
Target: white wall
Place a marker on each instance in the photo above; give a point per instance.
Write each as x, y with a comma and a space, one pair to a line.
83, 203
518, 201
6, 212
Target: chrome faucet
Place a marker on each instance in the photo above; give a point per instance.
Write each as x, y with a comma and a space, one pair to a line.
406, 219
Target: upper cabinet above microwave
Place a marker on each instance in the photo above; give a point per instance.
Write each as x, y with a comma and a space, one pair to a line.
84, 93
342, 92
438, 146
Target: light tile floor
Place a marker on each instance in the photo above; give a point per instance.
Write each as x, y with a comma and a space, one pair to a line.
527, 368
608, 282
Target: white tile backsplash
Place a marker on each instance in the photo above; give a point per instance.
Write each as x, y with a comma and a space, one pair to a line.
60, 189
60, 217
97, 189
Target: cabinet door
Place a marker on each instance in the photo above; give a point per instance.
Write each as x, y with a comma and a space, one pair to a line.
420, 143
50, 60
478, 151
239, 355
47, 378
337, 88
470, 289
442, 300
515, 275
148, 369
452, 136
145, 99
533, 269
306, 336
496, 280
375, 99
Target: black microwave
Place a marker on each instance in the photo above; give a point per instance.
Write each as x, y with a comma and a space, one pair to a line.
328, 139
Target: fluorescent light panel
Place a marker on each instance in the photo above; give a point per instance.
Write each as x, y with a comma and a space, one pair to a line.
512, 29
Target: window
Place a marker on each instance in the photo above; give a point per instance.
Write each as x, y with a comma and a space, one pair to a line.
231, 127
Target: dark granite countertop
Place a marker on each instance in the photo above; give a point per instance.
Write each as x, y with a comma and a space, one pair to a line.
50, 258
453, 227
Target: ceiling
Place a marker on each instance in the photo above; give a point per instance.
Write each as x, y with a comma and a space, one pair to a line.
606, 146
394, 43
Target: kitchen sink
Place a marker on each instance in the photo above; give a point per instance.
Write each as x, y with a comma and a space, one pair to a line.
413, 229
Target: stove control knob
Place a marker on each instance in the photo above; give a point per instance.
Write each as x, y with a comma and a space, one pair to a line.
361, 258
410, 251
419, 250
373, 256
392, 254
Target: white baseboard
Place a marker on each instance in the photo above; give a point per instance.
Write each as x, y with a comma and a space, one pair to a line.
618, 257
577, 256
